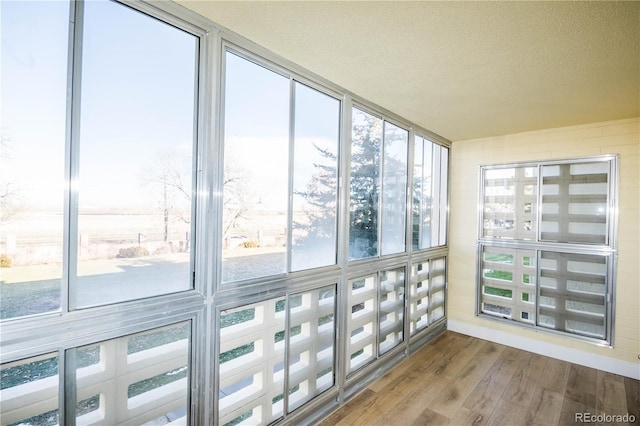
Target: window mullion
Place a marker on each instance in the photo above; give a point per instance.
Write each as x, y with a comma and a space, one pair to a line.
292, 137
68, 386
72, 155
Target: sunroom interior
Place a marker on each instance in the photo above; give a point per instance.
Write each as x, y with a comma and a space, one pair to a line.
242, 213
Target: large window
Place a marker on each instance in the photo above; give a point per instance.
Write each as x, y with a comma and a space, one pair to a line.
281, 144
378, 187
129, 213
134, 165
430, 194
34, 84
547, 245
97, 200
179, 217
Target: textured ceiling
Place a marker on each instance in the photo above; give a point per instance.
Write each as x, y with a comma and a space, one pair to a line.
460, 69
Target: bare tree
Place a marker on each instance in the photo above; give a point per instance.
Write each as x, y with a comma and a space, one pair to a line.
173, 180
10, 200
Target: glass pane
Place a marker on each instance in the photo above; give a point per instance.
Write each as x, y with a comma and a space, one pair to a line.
365, 185
419, 297
575, 203
315, 179
311, 345
251, 354
33, 90
134, 379
256, 152
435, 201
363, 311
394, 185
136, 157
29, 391
573, 292
437, 286
444, 195
508, 283
391, 309
418, 193
510, 203
428, 193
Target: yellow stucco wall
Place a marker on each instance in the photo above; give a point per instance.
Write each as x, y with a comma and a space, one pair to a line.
620, 137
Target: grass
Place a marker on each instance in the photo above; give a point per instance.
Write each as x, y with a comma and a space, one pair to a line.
498, 275
494, 291
498, 258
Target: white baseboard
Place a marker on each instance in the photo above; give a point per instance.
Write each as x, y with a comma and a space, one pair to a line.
604, 363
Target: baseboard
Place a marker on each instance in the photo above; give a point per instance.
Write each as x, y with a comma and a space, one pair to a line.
611, 365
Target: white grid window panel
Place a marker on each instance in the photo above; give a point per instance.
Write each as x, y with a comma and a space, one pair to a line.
391, 306
546, 257
575, 199
311, 344
573, 292
251, 373
426, 293
510, 203
134, 379
363, 307
508, 283
29, 392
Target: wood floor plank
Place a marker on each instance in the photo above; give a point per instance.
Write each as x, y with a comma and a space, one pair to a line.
554, 376
425, 356
506, 414
351, 410
545, 408
487, 393
447, 355
481, 363
461, 380
428, 418
455, 394
534, 366
466, 353
464, 416
632, 394
411, 407
581, 386
451, 398
571, 410
610, 393
524, 382
390, 396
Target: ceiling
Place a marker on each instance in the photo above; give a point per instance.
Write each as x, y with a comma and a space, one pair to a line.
463, 70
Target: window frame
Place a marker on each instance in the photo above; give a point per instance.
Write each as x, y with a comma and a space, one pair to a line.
59, 332
538, 245
442, 211
230, 46
62, 331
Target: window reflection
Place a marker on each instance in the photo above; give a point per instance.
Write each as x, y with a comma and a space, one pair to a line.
135, 157
32, 149
365, 185
315, 179
256, 154
394, 186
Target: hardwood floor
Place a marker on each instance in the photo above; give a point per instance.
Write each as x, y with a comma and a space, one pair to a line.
461, 380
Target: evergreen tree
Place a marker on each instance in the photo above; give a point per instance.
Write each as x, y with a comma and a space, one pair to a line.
364, 186
321, 193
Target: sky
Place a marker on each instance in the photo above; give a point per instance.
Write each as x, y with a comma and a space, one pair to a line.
136, 108
137, 101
